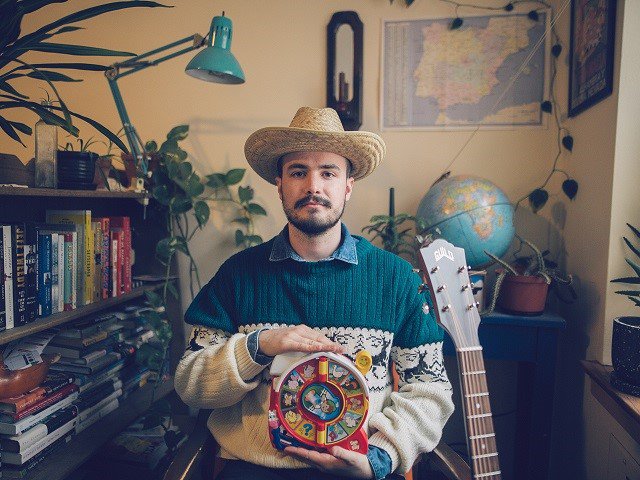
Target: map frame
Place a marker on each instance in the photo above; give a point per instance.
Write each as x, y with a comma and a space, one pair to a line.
543, 118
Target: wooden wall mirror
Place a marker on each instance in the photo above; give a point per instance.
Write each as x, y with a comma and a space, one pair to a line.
344, 68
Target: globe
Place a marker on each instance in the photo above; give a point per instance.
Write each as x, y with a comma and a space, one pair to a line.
471, 213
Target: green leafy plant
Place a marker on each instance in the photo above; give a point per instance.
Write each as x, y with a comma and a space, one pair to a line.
396, 232
13, 46
182, 198
633, 295
535, 265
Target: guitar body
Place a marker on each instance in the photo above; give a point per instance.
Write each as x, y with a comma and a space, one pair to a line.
445, 272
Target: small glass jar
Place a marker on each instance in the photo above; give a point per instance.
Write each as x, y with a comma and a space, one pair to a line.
46, 175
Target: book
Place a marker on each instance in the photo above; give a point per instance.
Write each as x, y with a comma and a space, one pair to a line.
44, 274
124, 223
15, 428
91, 368
97, 415
79, 342
31, 270
14, 458
22, 471
3, 308
20, 443
20, 402
84, 268
40, 405
105, 256
20, 315
89, 357
77, 352
70, 270
8, 275
61, 277
89, 325
55, 279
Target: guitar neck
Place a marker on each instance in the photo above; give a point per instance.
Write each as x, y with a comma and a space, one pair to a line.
481, 438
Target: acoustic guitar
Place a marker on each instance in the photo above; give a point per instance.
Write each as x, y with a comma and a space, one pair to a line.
445, 273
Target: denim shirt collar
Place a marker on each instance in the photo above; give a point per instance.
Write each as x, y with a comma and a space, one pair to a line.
346, 251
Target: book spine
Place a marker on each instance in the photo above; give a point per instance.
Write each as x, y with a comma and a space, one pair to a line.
106, 257
28, 422
24, 441
20, 458
8, 275
114, 265
19, 278
68, 271
25, 400
3, 300
46, 402
31, 270
97, 264
107, 409
88, 258
44, 274
121, 261
125, 224
75, 278
55, 280
61, 271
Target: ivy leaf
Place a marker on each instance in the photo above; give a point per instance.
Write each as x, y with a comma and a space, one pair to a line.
253, 239
245, 194
570, 188
153, 298
567, 142
184, 170
456, 24
546, 106
151, 146
508, 7
241, 220
256, 209
180, 204
234, 176
537, 199
193, 186
172, 288
178, 133
161, 194
201, 211
556, 50
533, 15
239, 237
216, 180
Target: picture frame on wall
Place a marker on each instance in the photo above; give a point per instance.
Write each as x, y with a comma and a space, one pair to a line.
593, 31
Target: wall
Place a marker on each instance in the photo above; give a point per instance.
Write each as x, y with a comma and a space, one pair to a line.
281, 46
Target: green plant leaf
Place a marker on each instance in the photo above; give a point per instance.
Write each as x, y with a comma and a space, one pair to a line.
193, 186
153, 298
161, 194
21, 127
172, 288
234, 176
51, 76
634, 230
241, 220
253, 239
635, 301
570, 188
83, 50
165, 249
9, 130
633, 293
68, 66
456, 23
245, 194
179, 132
201, 212
255, 209
239, 237
634, 265
216, 180
537, 199
631, 280
180, 204
6, 87
567, 142
184, 170
151, 146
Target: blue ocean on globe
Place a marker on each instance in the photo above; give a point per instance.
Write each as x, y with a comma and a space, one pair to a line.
471, 213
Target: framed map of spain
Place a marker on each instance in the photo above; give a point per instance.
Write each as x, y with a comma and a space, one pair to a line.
492, 72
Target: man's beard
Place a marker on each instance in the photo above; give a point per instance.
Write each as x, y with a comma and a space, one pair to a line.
314, 225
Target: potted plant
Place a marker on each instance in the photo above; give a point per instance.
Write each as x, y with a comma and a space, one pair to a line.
522, 288
76, 164
13, 46
625, 342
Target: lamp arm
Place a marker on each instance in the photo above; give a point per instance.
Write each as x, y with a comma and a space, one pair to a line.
133, 65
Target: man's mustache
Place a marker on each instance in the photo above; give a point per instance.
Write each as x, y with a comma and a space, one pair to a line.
312, 198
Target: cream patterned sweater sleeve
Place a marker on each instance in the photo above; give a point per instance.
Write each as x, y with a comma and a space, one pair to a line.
217, 370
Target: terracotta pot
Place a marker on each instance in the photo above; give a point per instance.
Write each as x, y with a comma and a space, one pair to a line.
130, 166
17, 382
103, 165
523, 294
625, 351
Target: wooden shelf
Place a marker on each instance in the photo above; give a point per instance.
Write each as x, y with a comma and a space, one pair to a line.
624, 408
64, 317
53, 192
82, 446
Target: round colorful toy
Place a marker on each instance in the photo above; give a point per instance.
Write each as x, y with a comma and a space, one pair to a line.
319, 401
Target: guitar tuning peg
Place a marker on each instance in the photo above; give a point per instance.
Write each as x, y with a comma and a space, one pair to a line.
441, 288
435, 269
423, 287
416, 270
425, 308
460, 269
470, 306
476, 304
472, 284
464, 287
446, 308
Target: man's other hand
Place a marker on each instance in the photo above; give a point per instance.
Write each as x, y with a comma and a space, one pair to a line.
338, 461
300, 338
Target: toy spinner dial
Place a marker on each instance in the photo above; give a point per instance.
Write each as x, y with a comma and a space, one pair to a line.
322, 402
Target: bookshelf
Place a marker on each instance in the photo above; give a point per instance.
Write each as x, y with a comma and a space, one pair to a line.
30, 204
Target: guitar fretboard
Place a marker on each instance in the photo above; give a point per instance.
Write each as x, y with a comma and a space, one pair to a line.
478, 418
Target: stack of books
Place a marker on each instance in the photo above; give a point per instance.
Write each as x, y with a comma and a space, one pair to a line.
71, 260
36, 422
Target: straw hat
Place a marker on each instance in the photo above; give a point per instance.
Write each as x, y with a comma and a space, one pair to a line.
313, 130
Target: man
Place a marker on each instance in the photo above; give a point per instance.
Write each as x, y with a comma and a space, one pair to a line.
315, 287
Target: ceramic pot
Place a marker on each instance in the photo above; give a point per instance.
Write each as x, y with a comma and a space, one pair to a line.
17, 382
76, 169
625, 349
523, 294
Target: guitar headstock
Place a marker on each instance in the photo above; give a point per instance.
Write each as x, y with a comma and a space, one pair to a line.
445, 271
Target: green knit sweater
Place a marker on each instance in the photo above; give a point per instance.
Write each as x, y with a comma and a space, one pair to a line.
373, 304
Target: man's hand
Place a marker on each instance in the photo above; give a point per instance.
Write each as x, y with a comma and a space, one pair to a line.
300, 338
338, 461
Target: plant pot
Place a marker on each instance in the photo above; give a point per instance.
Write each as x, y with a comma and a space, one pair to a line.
523, 294
625, 355
130, 166
102, 172
76, 169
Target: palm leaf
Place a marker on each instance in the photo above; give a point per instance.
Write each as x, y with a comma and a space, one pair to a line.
70, 65
634, 230
68, 49
634, 280
634, 265
633, 293
42, 112
29, 6
51, 76
6, 87
631, 247
21, 127
9, 130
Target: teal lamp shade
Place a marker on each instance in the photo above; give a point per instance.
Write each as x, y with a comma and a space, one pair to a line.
216, 63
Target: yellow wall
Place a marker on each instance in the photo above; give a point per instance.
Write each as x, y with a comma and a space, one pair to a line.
281, 45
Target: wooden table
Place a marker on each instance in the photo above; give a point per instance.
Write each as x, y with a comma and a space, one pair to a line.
624, 408
532, 342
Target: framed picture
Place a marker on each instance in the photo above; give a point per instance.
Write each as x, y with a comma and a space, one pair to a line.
593, 31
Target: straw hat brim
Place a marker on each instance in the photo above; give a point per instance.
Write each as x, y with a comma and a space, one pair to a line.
264, 147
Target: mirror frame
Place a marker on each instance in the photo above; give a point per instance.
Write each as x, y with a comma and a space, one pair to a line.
350, 113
